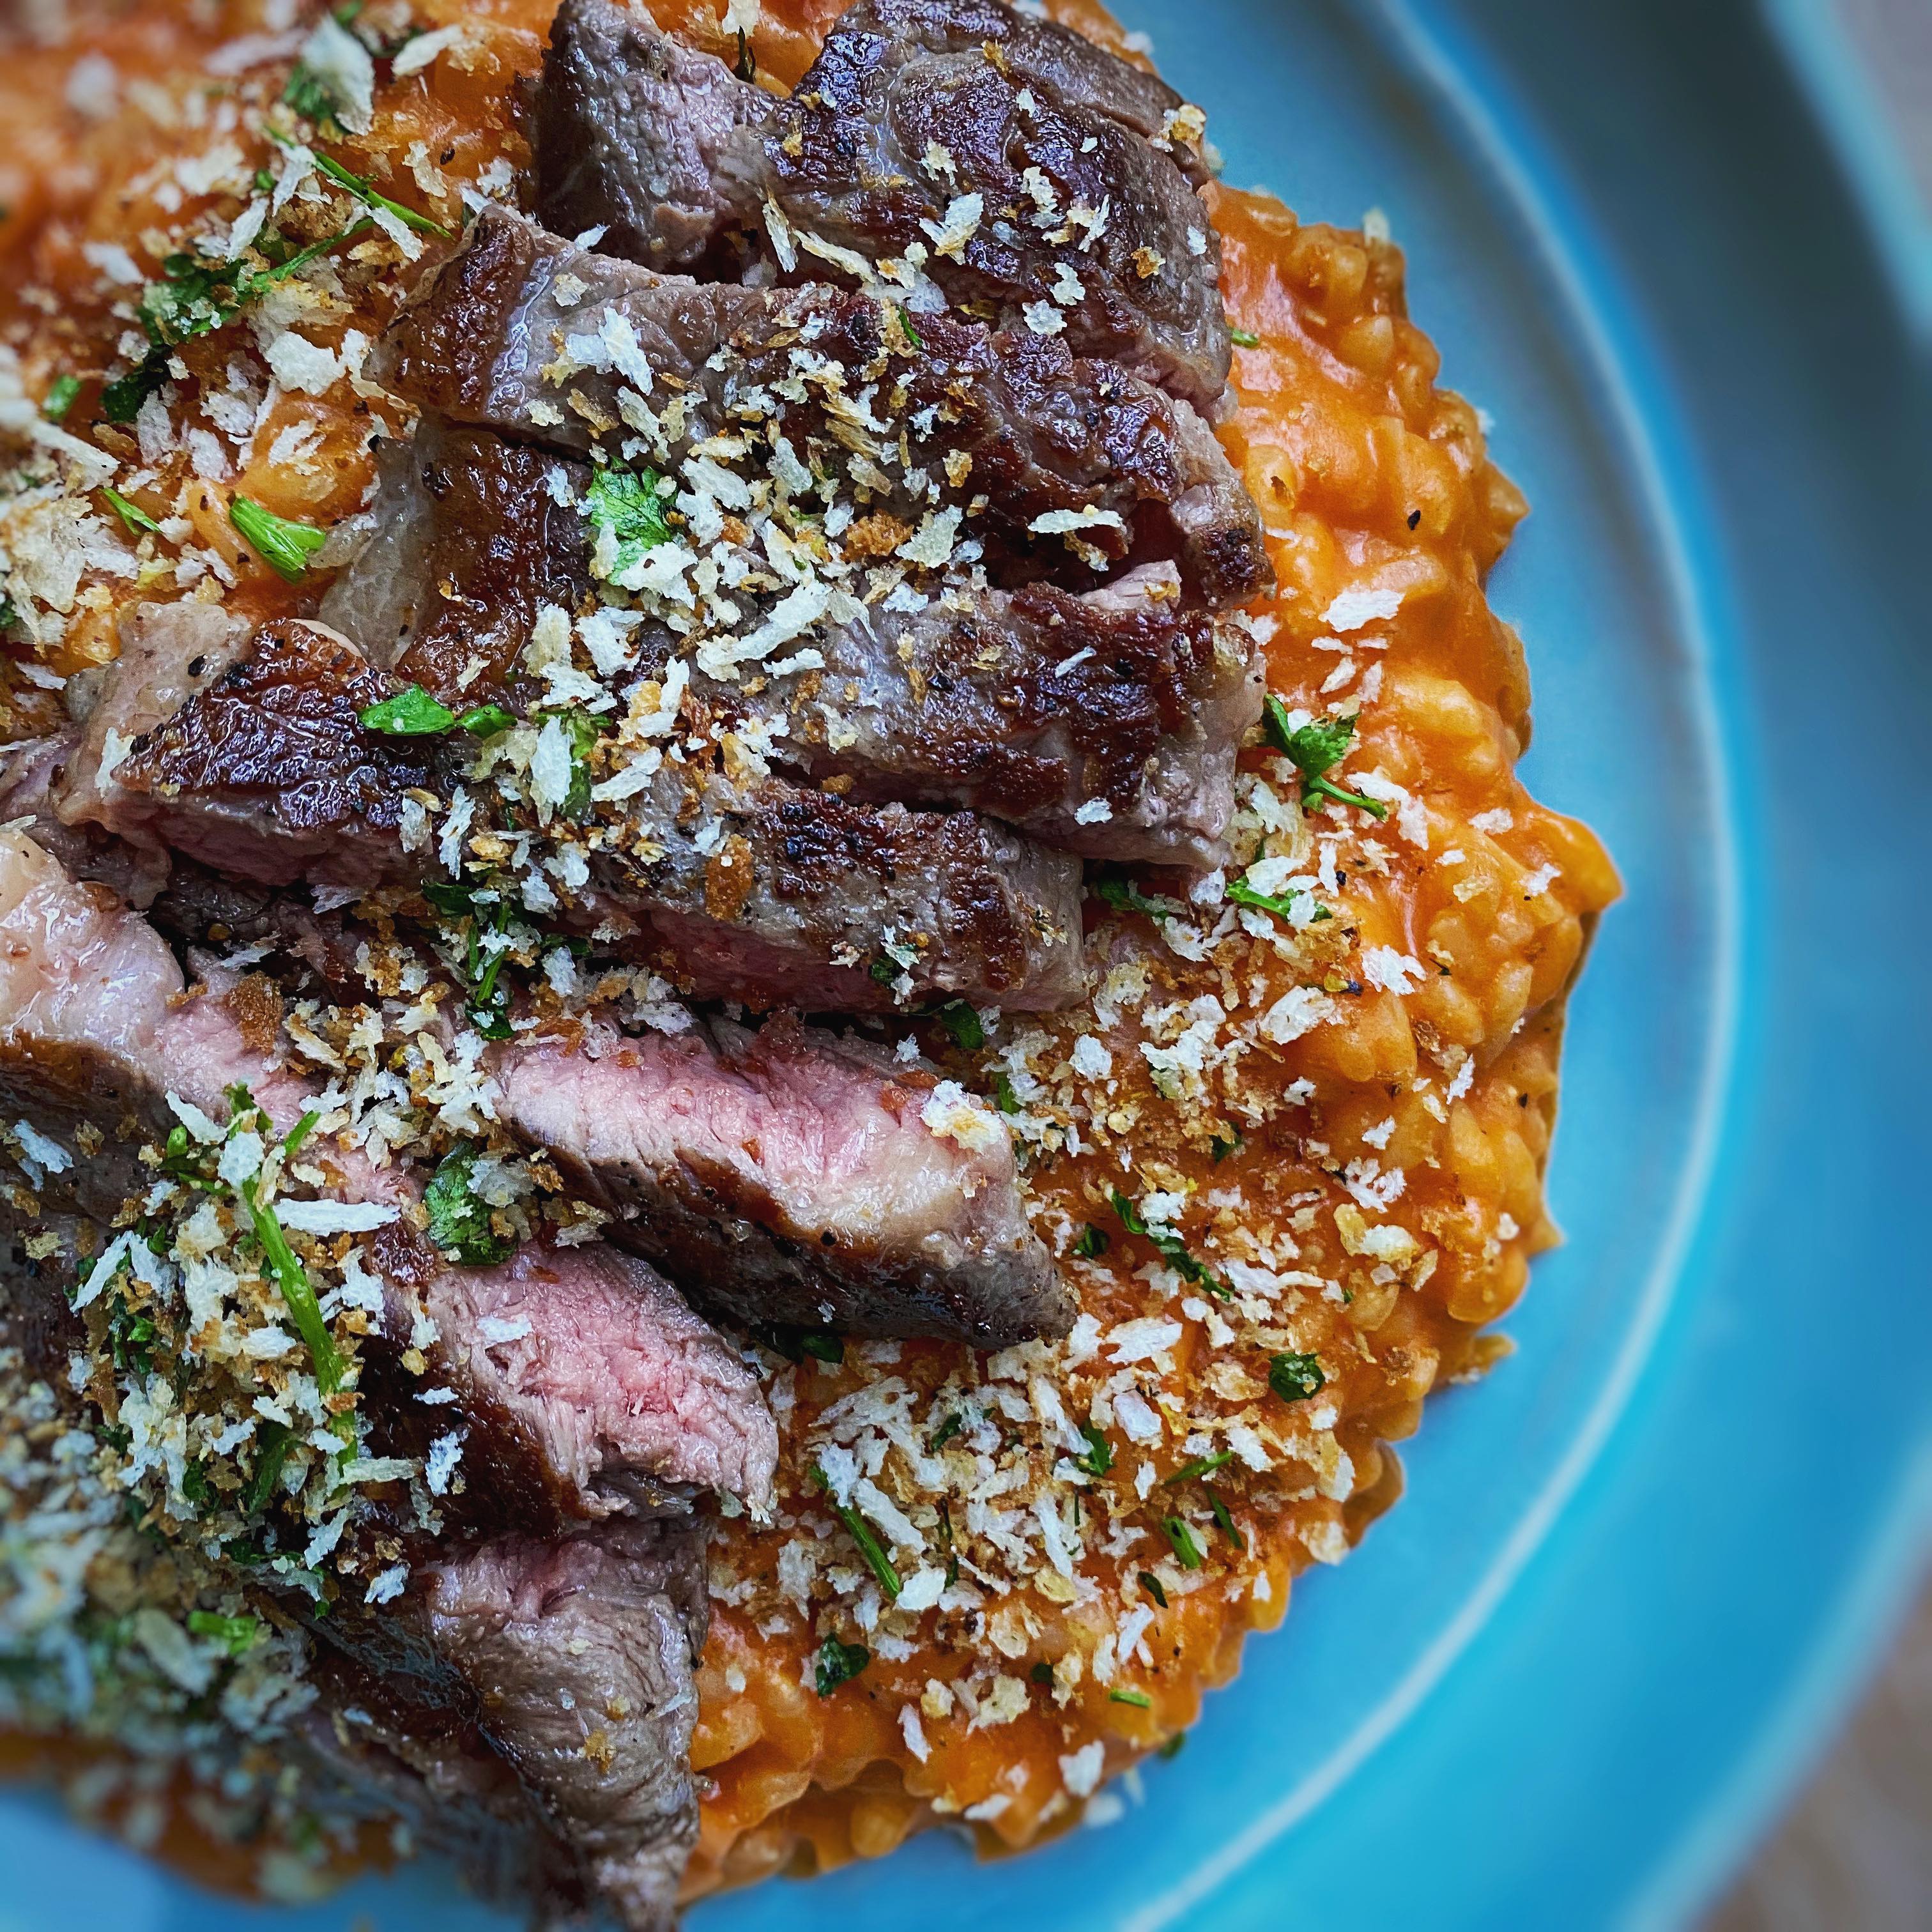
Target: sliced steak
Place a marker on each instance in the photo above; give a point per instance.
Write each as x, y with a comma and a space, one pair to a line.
513, 333
758, 890
629, 129
1026, 705
1013, 161
784, 1176
608, 1388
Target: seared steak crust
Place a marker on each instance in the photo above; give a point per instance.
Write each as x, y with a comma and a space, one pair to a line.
785, 1176
470, 543
268, 773
788, 899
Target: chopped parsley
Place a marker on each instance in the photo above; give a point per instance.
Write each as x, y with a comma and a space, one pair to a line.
1314, 749
132, 514
459, 1219
237, 1635
860, 1531
366, 195
1124, 896
582, 729
1140, 1700
1295, 1378
746, 66
486, 721
1097, 1458
411, 713
839, 1664
1151, 1584
961, 1018
626, 506
1223, 1520
1004, 1098
1171, 1748
271, 1450
1172, 1249
1223, 1145
1091, 1243
795, 1343
59, 398
1201, 1465
886, 969
284, 547
1244, 338
195, 297
1187, 1551
945, 1433
1281, 904
292, 1278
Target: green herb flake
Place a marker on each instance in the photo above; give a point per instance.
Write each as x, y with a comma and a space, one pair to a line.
795, 1343
1091, 1243
299, 1133
1281, 904
839, 1664
1201, 1465
59, 397
1314, 749
860, 1531
1224, 1519
130, 514
1244, 338
1139, 1699
1004, 1098
237, 1635
1223, 1146
1295, 1378
1124, 896
886, 969
1171, 1747
271, 1449
1151, 1584
365, 193
312, 98
1172, 1249
961, 1018
284, 547
411, 713
459, 1220
625, 506
1187, 1551
945, 1433
1041, 1673
486, 721
292, 1278
1097, 1458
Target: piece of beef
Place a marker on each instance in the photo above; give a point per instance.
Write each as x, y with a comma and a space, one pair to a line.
582, 1655
267, 772
1026, 705
1019, 165
514, 332
914, 105
753, 890
470, 543
785, 1176
607, 1387
531, 1702
627, 129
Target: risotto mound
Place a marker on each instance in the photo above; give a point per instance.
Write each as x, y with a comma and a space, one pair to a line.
1290, 1152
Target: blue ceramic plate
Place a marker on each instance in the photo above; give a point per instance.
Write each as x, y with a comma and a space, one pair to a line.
1637, 1573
